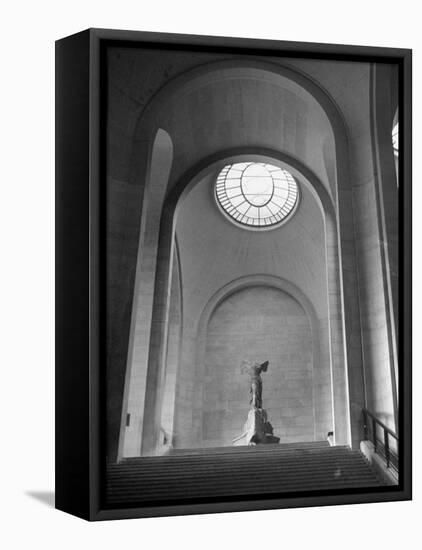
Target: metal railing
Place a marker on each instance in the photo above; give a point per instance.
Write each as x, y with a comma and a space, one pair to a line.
385, 441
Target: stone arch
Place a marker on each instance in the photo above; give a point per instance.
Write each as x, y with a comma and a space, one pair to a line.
323, 419
337, 359
149, 119
255, 280
149, 116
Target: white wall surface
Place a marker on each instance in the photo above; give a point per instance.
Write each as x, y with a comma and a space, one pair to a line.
27, 275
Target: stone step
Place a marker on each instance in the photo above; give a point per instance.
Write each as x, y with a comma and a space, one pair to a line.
252, 448
348, 465
176, 462
271, 452
155, 484
230, 471
275, 466
155, 494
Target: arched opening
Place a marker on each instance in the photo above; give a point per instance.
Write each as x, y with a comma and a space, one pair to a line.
309, 240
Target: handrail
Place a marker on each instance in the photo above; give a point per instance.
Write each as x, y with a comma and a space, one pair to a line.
383, 426
381, 447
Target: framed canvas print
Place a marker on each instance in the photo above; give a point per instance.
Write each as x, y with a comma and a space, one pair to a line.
233, 274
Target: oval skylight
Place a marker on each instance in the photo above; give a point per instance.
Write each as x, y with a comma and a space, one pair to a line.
256, 194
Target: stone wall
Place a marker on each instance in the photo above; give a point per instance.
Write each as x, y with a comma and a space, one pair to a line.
258, 324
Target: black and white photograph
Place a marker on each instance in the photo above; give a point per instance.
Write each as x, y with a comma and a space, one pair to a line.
252, 257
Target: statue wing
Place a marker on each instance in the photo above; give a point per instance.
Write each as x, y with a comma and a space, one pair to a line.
264, 366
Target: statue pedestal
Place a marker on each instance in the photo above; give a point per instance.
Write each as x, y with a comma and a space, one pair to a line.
256, 430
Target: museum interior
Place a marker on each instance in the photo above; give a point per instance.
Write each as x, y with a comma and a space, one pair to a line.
252, 269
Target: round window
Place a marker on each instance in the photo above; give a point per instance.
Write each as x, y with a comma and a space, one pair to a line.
256, 194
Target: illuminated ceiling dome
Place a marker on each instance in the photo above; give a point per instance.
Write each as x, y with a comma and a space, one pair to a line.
256, 194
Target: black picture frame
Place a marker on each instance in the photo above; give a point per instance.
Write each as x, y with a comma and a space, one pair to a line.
80, 271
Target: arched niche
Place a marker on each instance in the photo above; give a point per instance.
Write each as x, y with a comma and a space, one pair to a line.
271, 317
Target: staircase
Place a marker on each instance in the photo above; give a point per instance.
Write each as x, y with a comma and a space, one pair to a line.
232, 471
